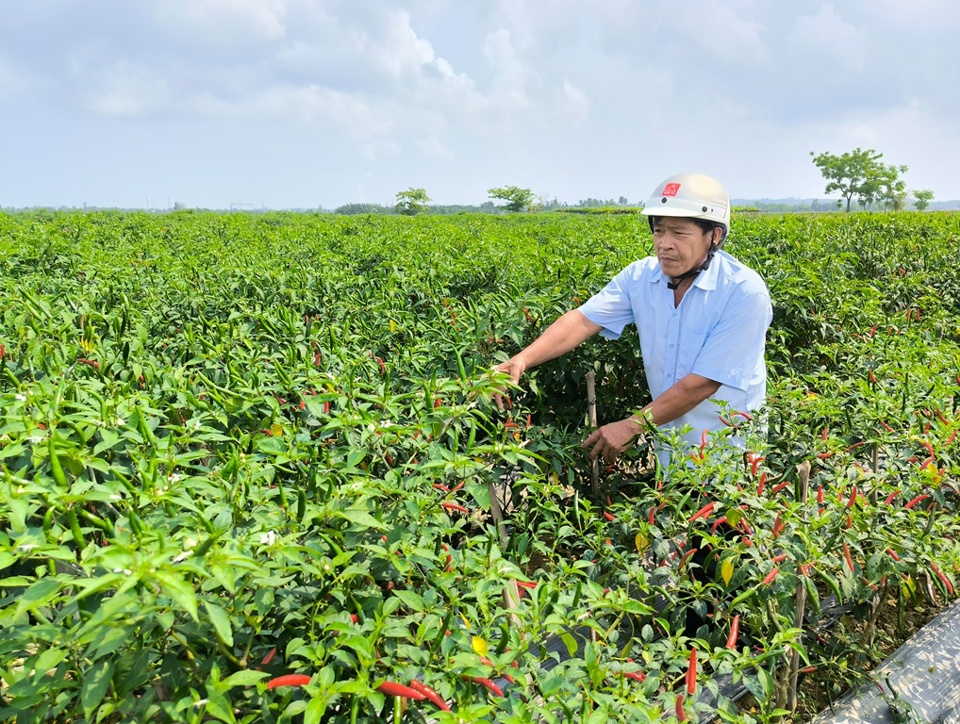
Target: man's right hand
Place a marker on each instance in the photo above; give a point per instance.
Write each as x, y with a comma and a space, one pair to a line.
513, 367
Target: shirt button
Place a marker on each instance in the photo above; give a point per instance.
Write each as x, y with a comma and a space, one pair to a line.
672, 346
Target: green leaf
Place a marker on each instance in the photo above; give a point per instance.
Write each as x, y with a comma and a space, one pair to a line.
410, 599
220, 621
179, 591
314, 711
96, 679
361, 517
245, 677
38, 595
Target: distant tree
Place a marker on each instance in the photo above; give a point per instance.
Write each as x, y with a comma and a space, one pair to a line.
622, 201
412, 201
860, 174
517, 199
922, 198
350, 209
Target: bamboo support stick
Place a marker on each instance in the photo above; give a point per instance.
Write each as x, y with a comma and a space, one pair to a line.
803, 471
592, 419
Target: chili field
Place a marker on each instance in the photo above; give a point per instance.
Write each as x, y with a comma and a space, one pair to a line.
247, 460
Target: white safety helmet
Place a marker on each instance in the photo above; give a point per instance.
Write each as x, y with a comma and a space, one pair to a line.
694, 196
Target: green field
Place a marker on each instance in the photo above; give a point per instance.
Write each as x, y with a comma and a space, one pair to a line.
240, 446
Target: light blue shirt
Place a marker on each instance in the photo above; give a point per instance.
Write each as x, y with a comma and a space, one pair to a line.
718, 332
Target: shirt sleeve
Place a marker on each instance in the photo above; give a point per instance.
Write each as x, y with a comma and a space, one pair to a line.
732, 353
611, 307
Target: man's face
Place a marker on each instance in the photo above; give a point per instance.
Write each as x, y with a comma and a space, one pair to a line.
680, 244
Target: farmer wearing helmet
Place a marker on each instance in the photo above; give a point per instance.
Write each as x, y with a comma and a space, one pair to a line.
701, 315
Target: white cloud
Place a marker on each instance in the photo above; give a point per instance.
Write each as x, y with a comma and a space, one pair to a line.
126, 90
632, 91
576, 102
226, 19
828, 44
434, 147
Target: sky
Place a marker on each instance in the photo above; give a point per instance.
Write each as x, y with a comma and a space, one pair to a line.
318, 103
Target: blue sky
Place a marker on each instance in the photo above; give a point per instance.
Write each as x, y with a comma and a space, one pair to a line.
307, 103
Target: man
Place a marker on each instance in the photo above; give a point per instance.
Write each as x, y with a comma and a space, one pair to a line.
701, 316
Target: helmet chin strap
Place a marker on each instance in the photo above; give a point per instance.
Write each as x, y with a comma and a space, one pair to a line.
677, 281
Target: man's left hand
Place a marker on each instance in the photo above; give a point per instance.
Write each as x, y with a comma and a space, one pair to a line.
612, 439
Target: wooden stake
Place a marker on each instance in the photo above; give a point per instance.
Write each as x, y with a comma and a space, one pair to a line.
803, 471
592, 419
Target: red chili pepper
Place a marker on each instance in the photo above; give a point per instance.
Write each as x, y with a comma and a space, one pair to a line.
392, 688
734, 632
886, 426
703, 441
770, 576
717, 523
692, 672
916, 500
609, 516
943, 578
326, 407
271, 655
288, 680
528, 420
316, 359
929, 446
383, 367
780, 558
872, 377
453, 506
893, 554
778, 525
681, 714
686, 557
820, 495
635, 675
824, 455
755, 464
430, 694
889, 498
848, 557
90, 362
494, 689
510, 423
441, 487
953, 436
650, 514
704, 512
777, 488
824, 434
354, 618
762, 484
527, 584
853, 497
